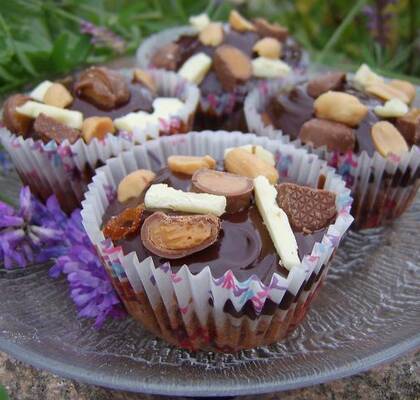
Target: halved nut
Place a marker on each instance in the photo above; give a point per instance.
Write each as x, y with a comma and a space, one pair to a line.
387, 139
340, 107
386, 92
268, 47
176, 236
391, 109
237, 189
189, 164
239, 23
134, 184
96, 127
212, 34
57, 95
404, 86
143, 77
241, 162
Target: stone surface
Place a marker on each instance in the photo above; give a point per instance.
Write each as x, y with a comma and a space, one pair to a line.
399, 380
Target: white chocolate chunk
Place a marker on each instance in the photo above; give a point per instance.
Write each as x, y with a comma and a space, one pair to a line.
258, 150
133, 120
276, 221
161, 196
71, 118
195, 68
39, 92
392, 108
199, 21
263, 67
365, 76
164, 107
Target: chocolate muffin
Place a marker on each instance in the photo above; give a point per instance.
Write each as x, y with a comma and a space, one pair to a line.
225, 61
356, 123
61, 131
216, 255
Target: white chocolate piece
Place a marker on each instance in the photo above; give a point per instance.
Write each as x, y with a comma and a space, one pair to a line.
365, 76
71, 118
195, 68
276, 221
263, 67
161, 196
392, 108
134, 184
164, 107
133, 120
39, 91
258, 150
199, 21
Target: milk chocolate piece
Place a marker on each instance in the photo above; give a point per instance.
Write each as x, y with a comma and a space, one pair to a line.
334, 135
14, 121
125, 224
237, 189
105, 88
308, 209
167, 57
50, 129
265, 28
326, 82
176, 236
409, 126
232, 66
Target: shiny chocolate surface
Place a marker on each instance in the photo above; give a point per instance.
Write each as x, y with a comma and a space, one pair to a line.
244, 244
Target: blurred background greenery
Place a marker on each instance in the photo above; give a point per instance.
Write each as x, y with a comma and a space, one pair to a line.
52, 37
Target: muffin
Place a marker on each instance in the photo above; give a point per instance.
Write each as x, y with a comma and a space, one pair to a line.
216, 241
61, 131
225, 61
364, 126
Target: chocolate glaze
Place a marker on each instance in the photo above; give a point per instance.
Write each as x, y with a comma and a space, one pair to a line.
244, 244
140, 99
290, 111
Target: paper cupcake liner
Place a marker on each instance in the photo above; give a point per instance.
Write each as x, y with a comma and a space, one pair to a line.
382, 188
213, 105
187, 309
66, 169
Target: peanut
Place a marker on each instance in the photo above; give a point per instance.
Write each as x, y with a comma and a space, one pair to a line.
386, 92
134, 184
144, 78
406, 87
189, 164
57, 95
239, 23
268, 47
340, 107
212, 34
241, 162
387, 139
96, 127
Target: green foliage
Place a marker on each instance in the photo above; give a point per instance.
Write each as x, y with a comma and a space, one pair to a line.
42, 38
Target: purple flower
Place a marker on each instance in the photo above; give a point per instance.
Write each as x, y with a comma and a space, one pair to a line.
102, 36
379, 19
90, 287
39, 232
25, 238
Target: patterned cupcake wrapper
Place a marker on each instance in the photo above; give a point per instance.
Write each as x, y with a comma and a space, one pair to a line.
186, 309
213, 105
66, 169
382, 188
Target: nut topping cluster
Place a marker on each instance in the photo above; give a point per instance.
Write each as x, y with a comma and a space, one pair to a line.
50, 111
173, 223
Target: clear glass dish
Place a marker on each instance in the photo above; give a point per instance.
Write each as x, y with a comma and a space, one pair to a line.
366, 314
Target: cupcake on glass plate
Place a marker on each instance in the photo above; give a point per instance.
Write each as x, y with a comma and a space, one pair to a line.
225, 61
61, 131
365, 126
217, 241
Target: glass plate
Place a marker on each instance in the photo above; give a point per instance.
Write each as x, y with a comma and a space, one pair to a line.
366, 314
